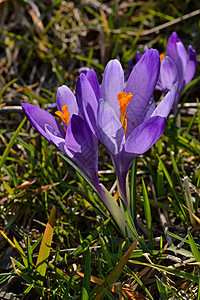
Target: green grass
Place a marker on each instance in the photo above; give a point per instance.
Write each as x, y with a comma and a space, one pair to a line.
85, 256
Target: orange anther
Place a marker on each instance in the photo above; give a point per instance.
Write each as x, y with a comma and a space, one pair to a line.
64, 114
162, 55
124, 100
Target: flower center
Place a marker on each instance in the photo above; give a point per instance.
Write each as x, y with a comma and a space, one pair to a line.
124, 100
162, 55
64, 114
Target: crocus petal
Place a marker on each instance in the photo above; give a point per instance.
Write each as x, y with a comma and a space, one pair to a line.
83, 70
112, 84
87, 102
164, 107
141, 84
145, 49
168, 73
130, 67
50, 105
174, 49
137, 56
39, 118
81, 147
144, 136
171, 49
150, 110
182, 53
111, 130
93, 80
65, 96
122, 164
191, 65
55, 138
139, 141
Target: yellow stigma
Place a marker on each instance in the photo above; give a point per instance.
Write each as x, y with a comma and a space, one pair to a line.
162, 55
124, 100
64, 115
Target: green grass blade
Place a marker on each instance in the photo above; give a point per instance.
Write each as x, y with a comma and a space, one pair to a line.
69, 161
87, 242
7, 150
29, 255
160, 181
179, 208
44, 251
20, 250
193, 247
86, 279
6, 86
198, 293
16, 246
133, 191
181, 239
114, 275
65, 278
161, 289
169, 270
147, 211
176, 171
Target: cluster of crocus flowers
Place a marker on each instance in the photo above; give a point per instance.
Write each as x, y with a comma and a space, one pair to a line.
125, 118
177, 65
122, 117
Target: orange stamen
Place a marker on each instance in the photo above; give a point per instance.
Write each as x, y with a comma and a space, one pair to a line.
124, 100
64, 114
162, 55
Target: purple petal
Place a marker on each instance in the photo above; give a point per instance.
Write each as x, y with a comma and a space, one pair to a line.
164, 107
141, 84
93, 80
55, 138
191, 65
182, 53
168, 73
138, 142
129, 68
171, 49
83, 70
65, 96
144, 136
145, 49
87, 102
175, 50
112, 84
39, 118
111, 130
138, 56
81, 146
122, 164
50, 105
150, 110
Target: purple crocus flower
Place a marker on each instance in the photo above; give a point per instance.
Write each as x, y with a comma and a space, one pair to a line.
138, 54
125, 119
176, 65
74, 138
131, 62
